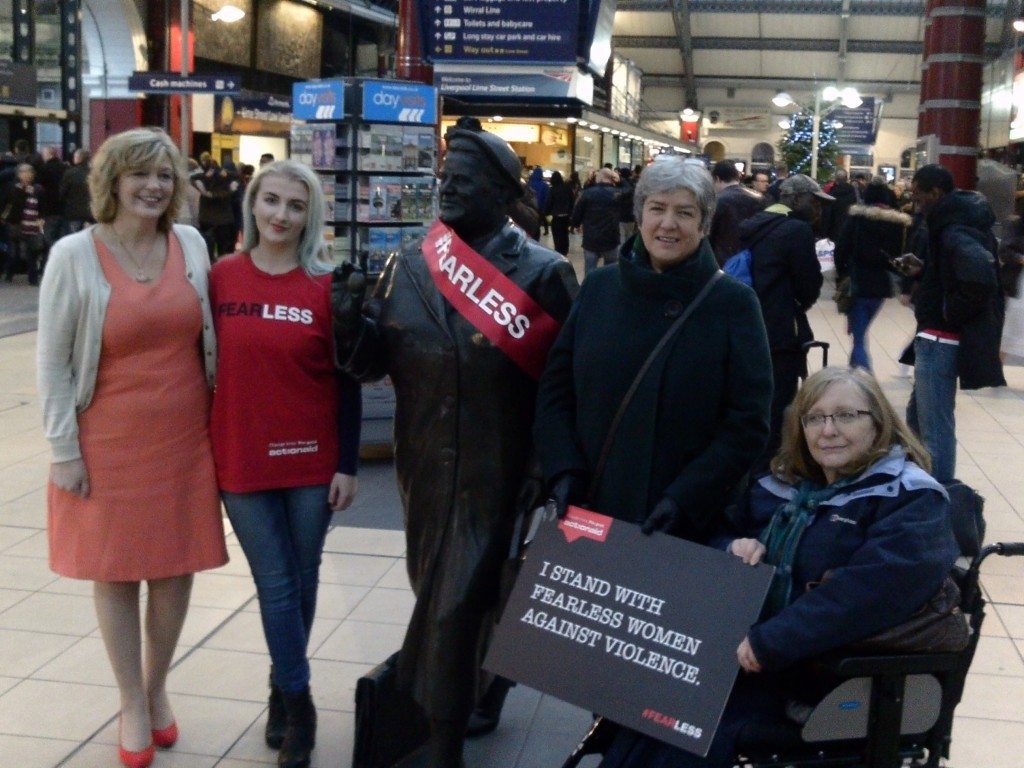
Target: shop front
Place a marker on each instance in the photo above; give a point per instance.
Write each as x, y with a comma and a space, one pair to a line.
582, 142
249, 126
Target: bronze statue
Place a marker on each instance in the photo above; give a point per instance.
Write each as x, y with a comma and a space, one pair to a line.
462, 328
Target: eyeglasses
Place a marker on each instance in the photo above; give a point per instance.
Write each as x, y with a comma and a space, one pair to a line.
841, 419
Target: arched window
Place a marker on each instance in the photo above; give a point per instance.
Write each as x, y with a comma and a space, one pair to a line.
763, 153
714, 151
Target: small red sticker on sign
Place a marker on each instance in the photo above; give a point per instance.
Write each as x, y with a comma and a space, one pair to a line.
580, 523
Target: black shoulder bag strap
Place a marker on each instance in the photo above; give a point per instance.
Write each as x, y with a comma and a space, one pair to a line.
627, 398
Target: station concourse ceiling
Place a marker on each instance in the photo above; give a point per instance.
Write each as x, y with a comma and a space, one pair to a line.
721, 53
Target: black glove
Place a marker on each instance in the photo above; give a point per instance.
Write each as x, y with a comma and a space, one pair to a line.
663, 517
348, 288
566, 489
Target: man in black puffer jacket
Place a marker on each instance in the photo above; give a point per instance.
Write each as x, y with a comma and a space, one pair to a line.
958, 307
787, 280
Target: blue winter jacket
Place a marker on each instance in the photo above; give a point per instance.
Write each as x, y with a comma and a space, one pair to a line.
886, 538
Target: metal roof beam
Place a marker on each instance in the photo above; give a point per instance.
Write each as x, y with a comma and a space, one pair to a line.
993, 8
903, 47
657, 80
908, 47
684, 40
844, 40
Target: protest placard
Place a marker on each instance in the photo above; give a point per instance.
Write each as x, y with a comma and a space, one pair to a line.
640, 629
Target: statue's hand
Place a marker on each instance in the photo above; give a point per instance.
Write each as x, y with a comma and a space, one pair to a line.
348, 289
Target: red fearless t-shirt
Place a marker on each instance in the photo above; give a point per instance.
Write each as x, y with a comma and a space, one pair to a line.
274, 422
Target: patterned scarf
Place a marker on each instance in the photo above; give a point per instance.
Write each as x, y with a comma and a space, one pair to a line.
782, 538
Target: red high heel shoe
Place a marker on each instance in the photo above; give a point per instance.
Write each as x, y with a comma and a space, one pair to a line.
141, 759
166, 737
129, 759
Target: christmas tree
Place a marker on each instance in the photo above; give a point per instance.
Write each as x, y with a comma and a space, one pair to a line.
795, 146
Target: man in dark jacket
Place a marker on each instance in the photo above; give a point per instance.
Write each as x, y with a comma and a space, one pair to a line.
775, 188
216, 219
464, 416
74, 192
846, 195
958, 307
735, 203
624, 197
597, 212
49, 177
787, 280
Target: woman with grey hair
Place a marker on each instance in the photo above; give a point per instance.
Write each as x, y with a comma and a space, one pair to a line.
699, 414
285, 426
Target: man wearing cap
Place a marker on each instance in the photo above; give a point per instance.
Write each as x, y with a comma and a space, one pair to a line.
462, 327
787, 280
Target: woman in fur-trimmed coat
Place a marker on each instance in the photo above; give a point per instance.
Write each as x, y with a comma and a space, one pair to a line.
872, 234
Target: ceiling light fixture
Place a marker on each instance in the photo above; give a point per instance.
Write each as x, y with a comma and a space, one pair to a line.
782, 99
229, 14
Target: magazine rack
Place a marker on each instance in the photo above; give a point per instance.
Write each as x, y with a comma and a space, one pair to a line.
373, 144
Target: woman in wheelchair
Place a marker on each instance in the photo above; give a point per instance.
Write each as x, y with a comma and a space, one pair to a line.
860, 537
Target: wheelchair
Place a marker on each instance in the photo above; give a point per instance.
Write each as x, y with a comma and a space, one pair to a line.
888, 711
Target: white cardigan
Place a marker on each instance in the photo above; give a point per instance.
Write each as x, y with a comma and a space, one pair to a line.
73, 302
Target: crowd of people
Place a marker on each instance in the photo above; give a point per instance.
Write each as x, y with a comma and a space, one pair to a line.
661, 392
43, 198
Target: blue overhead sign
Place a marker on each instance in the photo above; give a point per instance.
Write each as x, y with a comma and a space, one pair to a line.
391, 102
173, 82
858, 124
535, 84
501, 31
318, 100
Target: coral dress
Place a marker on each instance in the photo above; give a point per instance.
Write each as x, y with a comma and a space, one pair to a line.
153, 510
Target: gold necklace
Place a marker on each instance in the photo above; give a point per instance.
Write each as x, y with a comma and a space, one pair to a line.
140, 271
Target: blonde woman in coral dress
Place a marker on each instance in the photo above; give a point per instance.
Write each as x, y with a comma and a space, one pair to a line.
125, 359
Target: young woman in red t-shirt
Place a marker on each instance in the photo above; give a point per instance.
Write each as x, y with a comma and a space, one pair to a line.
285, 425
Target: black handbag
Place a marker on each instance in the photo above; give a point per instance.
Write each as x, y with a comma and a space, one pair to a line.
938, 626
389, 724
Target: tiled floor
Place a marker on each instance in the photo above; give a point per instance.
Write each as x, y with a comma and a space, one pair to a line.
58, 703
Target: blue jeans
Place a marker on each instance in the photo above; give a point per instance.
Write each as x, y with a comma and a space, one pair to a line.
590, 258
930, 410
860, 316
282, 533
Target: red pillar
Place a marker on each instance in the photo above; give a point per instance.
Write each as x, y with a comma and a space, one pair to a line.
410, 64
110, 116
951, 83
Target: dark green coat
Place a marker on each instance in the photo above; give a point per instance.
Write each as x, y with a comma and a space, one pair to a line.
700, 417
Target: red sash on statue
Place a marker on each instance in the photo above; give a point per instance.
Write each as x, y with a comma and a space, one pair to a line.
489, 301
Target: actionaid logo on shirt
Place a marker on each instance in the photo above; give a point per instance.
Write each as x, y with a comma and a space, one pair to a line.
276, 312
492, 302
